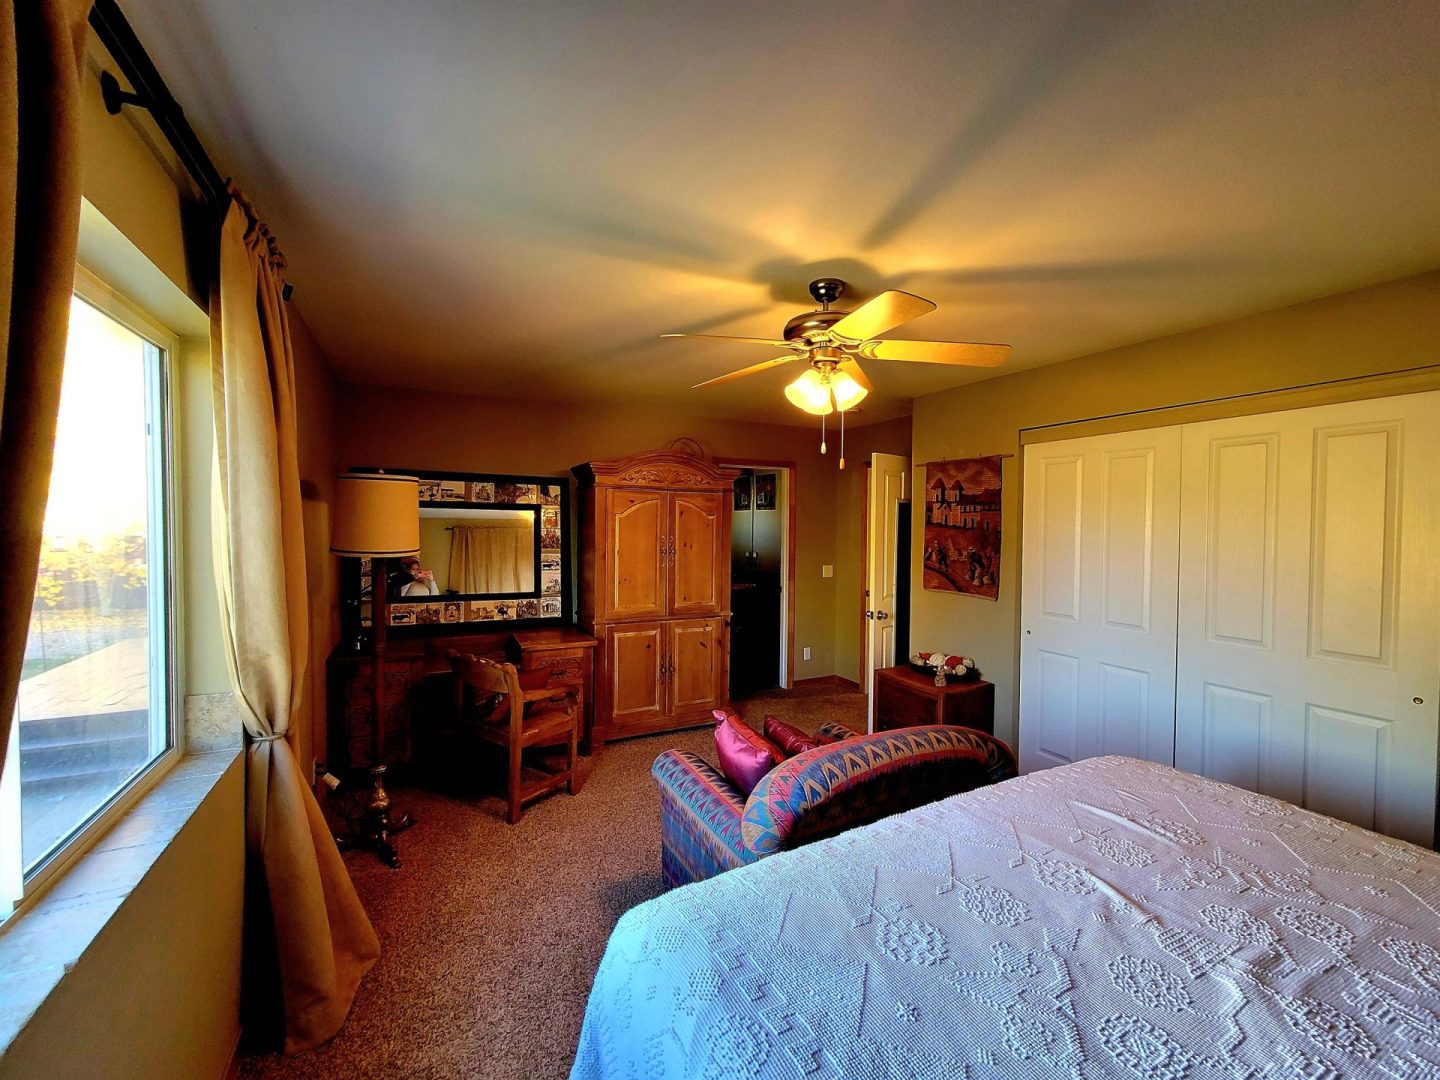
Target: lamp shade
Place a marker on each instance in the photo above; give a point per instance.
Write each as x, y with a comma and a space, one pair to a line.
376, 515
848, 393
810, 392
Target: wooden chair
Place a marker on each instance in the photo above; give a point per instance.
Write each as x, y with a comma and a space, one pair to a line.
520, 719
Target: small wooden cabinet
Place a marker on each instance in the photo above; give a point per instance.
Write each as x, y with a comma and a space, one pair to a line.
906, 698
655, 589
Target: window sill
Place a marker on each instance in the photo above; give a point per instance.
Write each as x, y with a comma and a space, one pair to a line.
39, 946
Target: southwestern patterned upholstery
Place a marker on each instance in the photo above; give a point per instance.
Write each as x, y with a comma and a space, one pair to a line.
707, 827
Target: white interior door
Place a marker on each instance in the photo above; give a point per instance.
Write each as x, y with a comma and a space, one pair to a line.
1097, 596
889, 484
1309, 634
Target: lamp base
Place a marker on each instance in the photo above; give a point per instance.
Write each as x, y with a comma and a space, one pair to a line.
377, 827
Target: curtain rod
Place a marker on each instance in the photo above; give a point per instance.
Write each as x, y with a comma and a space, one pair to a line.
151, 94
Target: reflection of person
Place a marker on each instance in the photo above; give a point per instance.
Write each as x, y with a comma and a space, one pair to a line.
411, 580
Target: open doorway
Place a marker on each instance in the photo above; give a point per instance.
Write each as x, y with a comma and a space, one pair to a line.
762, 585
886, 561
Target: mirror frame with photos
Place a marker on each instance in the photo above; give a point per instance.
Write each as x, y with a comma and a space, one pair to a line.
470, 611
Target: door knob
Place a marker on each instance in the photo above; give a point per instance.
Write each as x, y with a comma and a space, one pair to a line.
882, 614
869, 614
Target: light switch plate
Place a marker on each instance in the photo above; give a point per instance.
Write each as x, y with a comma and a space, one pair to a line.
806, 655
827, 570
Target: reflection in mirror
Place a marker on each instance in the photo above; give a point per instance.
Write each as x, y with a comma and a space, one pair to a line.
466, 552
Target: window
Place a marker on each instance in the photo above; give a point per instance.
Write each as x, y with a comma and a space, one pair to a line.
95, 707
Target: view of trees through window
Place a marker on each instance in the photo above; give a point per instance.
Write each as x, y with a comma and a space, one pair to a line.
92, 702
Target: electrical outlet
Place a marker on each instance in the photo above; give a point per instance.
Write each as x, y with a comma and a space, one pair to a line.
806, 654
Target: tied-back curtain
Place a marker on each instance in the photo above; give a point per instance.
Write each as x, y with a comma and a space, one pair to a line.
41, 46
496, 558
305, 928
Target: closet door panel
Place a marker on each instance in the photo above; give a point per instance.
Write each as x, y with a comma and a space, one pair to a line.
1309, 559
1098, 585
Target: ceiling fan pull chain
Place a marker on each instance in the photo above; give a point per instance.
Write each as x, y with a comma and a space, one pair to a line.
842, 440
822, 433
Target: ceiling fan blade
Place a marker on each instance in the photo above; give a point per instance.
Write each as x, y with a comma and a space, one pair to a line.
852, 368
963, 353
885, 312
764, 365
774, 343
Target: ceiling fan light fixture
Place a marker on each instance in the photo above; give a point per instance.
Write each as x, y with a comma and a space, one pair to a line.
811, 393
847, 392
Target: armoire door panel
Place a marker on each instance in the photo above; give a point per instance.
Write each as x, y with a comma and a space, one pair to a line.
698, 535
695, 676
633, 656
635, 585
1309, 617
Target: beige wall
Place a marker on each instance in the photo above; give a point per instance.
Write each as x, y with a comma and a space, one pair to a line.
157, 993
411, 429
1386, 328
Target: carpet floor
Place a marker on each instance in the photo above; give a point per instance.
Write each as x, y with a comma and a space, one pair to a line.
491, 934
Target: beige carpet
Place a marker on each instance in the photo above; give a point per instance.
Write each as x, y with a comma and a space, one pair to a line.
491, 934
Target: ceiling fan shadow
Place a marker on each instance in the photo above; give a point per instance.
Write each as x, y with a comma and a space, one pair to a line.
1032, 84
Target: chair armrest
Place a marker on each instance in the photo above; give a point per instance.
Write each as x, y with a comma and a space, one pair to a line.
699, 815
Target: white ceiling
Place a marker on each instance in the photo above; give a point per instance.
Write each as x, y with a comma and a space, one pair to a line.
515, 198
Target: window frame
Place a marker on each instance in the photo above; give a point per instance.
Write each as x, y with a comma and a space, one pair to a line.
93, 290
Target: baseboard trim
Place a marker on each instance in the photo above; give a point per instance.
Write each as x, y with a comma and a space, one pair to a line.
837, 681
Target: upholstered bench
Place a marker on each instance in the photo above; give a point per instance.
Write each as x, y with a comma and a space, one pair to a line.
707, 826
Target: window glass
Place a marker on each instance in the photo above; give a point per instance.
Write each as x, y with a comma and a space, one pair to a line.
93, 708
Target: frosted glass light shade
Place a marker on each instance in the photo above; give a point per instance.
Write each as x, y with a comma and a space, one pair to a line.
848, 393
376, 514
811, 393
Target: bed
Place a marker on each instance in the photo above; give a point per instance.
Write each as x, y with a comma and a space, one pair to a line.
1110, 918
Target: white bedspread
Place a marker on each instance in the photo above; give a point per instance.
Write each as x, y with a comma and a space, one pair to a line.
1110, 918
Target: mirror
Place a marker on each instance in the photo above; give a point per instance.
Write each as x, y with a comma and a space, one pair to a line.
493, 549
472, 552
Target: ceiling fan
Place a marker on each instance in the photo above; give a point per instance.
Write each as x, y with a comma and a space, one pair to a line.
833, 342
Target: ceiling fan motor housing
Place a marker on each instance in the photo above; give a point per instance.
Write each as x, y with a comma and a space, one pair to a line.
813, 326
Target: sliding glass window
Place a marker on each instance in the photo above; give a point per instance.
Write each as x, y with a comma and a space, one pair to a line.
95, 709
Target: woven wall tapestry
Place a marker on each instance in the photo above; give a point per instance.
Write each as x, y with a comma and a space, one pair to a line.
962, 526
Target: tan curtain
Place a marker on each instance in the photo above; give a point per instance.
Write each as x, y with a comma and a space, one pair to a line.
492, 558
41, 46
305, 927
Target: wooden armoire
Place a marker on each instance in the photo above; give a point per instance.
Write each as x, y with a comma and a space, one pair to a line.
655, 589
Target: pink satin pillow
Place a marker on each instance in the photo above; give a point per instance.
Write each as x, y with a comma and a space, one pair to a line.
788, 737
745, 756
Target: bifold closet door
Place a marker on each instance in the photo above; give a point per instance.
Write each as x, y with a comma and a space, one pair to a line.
1098, 589
1309, 633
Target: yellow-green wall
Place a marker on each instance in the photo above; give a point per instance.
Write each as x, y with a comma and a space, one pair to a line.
157, 992
1386, 328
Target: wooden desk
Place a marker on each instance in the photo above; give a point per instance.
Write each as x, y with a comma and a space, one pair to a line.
906, 698
417, 682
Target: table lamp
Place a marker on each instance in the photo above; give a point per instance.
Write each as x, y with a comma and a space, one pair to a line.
377, 516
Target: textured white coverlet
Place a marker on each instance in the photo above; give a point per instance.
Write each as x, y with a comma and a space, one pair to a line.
1112, 918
